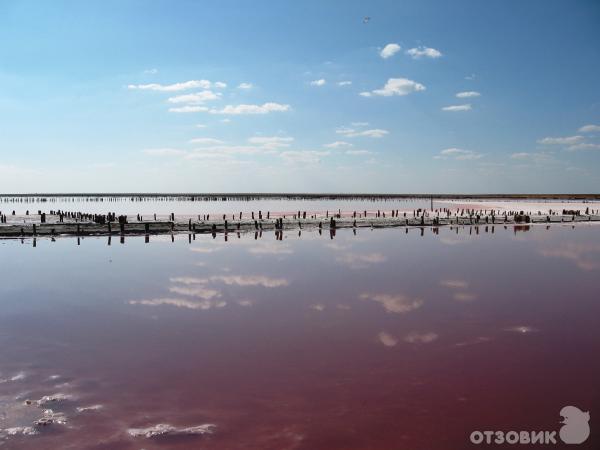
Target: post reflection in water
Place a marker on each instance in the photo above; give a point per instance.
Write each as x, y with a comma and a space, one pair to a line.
359, 338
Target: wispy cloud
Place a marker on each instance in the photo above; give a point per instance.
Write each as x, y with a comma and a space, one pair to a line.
164, 152
568, 140
344, 83
338, 144
396, 86
320, 82
389, 50
420, 338
583, 146
245, 86
205, 141
358, 152
423, 52
468, 94
303, 156
535, 157
352, 132
271, 142
454, 108
192, 84
265, 108
458, 154
188, 109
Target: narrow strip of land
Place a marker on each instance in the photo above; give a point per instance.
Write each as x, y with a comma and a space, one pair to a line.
23, 226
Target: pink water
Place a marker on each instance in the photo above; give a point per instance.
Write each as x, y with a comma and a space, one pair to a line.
383, 339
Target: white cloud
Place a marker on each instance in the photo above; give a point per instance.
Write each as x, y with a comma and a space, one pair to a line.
303, 157
387, 339
181, 303
163, 152
205, 141
458, 154
360, 260
245, 86
466, 107
568, 140
200, 125
251, 109
394, 303
423, 52
320, 82
197, 98
468, 94
188, 109
396, 86
589, 128
344, 83
536, 157
151, 71
271, 142
351, 132
420, 338
389, 50
192, 84
338, 144
583, 146
358, 152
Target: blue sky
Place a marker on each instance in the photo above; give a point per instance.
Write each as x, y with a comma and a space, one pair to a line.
425, 96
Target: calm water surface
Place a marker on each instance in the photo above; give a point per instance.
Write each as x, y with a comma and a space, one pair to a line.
384, 339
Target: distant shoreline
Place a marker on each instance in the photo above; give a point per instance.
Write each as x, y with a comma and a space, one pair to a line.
300, 195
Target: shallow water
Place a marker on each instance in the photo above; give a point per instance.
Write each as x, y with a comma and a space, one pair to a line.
388, 338
216, 205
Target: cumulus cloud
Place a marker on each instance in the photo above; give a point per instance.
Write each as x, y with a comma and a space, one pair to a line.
458, 154
423, 52
387, 339
389, 50
192, 84
265, 108
589, 128
396, 86
468, 94
394, 303
320, 82
245, 86
197, 98
452, 108
568, 140
352, 132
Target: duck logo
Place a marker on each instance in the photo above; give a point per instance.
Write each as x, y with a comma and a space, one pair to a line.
576, 428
